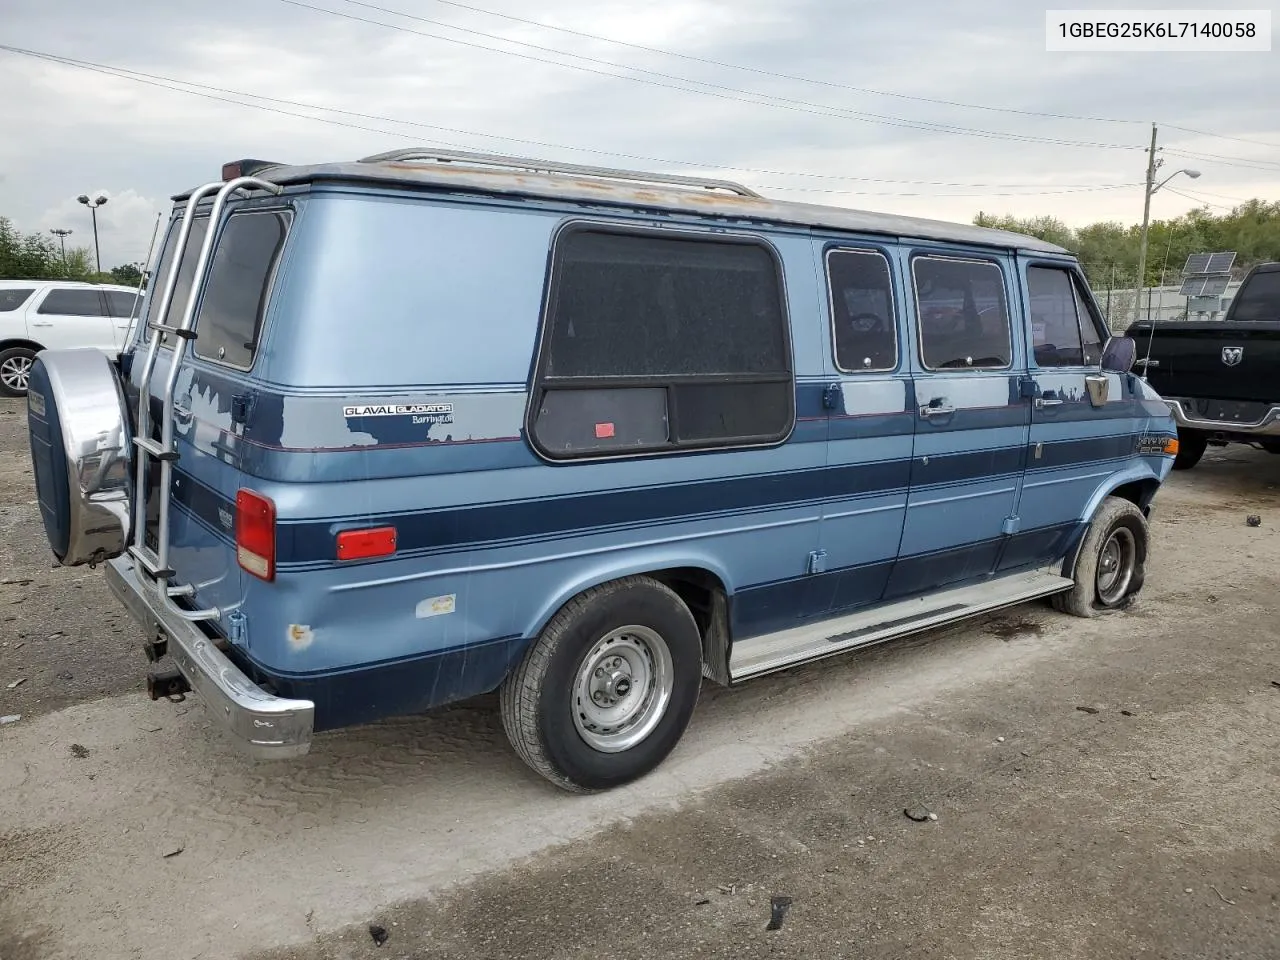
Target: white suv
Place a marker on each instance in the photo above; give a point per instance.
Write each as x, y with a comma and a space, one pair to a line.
55, 314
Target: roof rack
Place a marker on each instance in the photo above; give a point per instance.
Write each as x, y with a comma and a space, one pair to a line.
551, 166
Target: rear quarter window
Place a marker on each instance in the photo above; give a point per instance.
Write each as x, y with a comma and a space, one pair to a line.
1259, 298
12, 299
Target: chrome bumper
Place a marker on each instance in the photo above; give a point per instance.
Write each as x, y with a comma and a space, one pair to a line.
1268, 426
265, 726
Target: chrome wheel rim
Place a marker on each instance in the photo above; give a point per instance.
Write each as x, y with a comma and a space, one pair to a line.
15, 373
1116, 562
622, 689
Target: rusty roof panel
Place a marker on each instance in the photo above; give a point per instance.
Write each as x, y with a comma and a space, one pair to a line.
693, 200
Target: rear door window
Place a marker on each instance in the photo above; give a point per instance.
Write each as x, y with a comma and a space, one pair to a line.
11, 300
73, 303
186, 269
235, 296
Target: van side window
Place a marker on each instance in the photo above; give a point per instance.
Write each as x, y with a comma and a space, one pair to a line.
964, 321
865, 328
656, 343
1091, 326
235, 297
73, 303
1055, 320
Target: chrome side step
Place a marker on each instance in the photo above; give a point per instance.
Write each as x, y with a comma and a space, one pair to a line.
787, 648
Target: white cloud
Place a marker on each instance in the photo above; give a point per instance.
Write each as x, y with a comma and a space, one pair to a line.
125, 224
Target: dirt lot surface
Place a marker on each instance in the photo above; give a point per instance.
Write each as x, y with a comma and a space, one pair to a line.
1103, 789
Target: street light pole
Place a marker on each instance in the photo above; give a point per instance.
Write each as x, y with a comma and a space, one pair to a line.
1148, 191
62, 235
93, 206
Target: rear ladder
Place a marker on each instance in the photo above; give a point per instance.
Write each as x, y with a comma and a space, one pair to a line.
165, 451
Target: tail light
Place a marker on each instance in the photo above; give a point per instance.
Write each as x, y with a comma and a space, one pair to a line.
256, 534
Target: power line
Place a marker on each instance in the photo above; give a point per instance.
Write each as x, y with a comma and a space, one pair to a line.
1207, 203
179, 86
734, 94
737, 66
1243, 162
1206, 133
776, 74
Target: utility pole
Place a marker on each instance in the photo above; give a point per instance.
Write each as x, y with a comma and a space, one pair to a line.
1146, 222
62, 235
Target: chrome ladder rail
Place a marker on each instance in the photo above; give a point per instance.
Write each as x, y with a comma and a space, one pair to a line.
157, 565
138, 549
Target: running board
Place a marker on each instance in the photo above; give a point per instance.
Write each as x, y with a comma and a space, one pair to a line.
777, 651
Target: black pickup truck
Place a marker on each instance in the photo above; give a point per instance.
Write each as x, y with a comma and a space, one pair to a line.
1221, 378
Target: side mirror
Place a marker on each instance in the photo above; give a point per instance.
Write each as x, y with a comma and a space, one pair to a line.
1119, 355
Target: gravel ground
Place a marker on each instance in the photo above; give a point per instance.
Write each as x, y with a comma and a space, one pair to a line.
1103, 788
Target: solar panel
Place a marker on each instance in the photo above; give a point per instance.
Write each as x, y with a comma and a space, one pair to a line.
1220, 262
1191, 287
1197, 263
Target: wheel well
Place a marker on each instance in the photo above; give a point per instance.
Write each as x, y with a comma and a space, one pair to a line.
29, 344
1138, 492
704, 594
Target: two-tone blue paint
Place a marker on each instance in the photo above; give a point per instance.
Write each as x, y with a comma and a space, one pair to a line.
433, 300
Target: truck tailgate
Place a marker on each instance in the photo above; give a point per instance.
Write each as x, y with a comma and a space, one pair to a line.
1226, 361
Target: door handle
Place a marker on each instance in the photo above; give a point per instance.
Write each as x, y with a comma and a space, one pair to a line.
936, 410
1042, 402
41, 323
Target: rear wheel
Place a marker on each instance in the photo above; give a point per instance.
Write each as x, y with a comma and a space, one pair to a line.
1191, 447
15, 371
1111, 566
608, 688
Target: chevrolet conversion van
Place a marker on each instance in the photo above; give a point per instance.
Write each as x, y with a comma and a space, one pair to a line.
406, 430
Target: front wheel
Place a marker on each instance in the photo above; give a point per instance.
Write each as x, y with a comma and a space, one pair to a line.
1111, 566
608, 688
15, 371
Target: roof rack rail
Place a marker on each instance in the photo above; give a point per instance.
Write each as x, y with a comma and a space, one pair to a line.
552, 166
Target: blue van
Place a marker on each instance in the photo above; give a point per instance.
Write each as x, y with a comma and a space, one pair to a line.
410, 429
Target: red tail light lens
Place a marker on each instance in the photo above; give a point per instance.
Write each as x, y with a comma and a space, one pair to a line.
256, 534
363, 544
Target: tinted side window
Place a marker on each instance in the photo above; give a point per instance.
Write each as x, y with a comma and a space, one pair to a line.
865, 326
1055, 324
235, 295
73, 303
1091, 328
964, 321
121, 304
656, 342
13, 299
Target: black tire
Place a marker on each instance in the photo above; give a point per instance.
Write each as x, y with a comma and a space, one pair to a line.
10, 361
1191, 447
539, 699
1119, 521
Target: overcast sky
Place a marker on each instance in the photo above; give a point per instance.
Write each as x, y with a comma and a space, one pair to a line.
66, 130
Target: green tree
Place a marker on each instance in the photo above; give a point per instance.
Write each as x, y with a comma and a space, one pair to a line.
36, 257
127, 274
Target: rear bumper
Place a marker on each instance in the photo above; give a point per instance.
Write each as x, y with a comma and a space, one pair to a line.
266, 727
1267, 426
